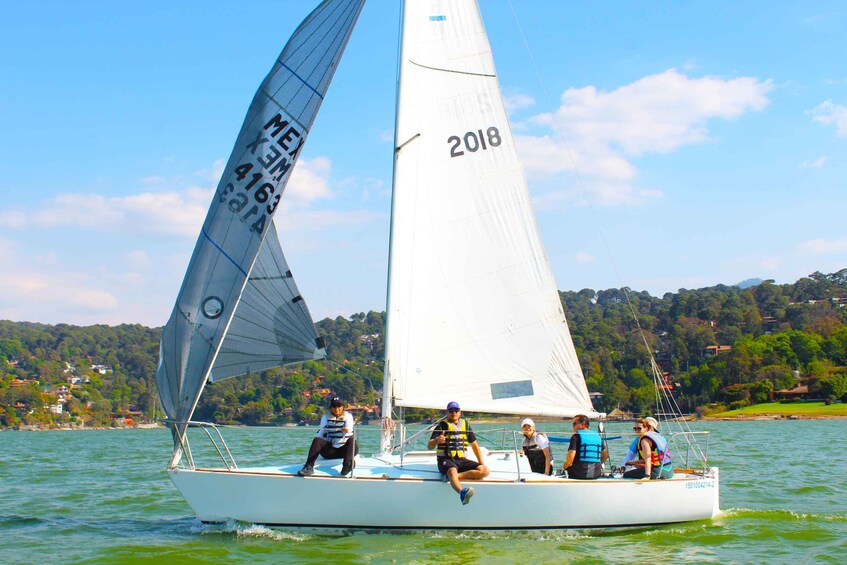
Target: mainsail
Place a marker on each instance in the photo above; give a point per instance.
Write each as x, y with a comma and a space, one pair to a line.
238, 309
474, 313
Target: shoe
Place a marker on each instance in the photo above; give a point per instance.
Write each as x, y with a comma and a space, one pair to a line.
306, 471
466, 494
347, 468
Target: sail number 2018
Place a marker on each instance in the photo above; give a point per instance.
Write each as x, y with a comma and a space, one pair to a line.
474, 141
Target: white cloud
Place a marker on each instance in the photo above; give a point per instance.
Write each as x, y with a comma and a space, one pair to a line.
66, 290
597, 191
177, 212
6, 250
655, 114
598, 133
139, 260
769, 264
12, 219
309, 181
829, 113
514, 102
814, 163
152, 180
823, 246
315, 220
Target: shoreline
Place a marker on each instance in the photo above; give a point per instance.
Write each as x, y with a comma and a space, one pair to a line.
36, 428
507, 420
772, 417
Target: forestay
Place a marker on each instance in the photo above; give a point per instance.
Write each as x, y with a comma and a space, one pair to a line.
232, 317
474, 312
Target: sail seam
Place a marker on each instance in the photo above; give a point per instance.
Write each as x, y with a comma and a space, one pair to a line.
224, 253
293, 72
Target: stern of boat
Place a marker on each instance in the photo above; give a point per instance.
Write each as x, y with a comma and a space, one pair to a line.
716, 500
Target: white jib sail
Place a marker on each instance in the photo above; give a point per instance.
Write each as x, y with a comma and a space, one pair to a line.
474, 312
239, 227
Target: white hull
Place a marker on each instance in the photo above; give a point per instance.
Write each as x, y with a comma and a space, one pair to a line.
383, 495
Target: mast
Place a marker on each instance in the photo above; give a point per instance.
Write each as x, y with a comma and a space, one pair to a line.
387, 383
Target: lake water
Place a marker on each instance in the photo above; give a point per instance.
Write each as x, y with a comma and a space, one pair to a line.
102, 496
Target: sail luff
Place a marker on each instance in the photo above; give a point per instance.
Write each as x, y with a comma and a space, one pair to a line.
240, 218
387, 379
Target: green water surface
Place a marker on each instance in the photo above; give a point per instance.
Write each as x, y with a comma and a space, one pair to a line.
102, 496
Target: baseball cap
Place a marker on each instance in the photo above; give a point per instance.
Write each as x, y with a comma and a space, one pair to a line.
528, 421
336, 402
453, 406
652, 421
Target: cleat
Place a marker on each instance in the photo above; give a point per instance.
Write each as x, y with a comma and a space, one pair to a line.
306, 471
466, 494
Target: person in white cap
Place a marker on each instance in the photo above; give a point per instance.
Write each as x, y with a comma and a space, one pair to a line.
536, 448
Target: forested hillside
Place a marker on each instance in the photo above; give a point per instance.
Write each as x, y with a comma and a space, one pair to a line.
716, 345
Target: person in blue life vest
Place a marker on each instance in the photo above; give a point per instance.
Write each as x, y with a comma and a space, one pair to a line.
452, 436
334, 440
586, 451
649, 453
536, 448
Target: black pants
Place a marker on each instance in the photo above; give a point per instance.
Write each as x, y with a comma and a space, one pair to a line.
320, 446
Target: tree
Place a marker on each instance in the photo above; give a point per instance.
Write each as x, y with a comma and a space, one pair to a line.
833, 385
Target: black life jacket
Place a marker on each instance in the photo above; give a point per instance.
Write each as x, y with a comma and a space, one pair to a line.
333, 431
535, 455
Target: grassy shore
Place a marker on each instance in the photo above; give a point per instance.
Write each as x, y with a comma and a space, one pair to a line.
787, 409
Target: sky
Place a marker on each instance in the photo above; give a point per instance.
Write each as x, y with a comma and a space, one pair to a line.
667, 145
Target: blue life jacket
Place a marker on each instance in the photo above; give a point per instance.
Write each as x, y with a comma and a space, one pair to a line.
660, 454
590, 446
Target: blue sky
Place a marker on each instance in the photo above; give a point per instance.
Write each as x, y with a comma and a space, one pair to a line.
667, 145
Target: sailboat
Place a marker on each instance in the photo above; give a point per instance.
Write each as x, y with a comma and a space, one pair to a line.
473, 310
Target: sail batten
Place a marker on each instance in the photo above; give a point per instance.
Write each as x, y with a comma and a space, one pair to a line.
238, 309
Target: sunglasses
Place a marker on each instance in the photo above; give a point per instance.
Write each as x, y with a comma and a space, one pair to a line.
637, 428
454, 410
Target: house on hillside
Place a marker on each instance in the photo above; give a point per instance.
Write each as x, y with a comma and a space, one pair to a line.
714, 350
800, 391
619, 415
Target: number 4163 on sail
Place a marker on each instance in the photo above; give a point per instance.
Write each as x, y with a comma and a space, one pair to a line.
239, 201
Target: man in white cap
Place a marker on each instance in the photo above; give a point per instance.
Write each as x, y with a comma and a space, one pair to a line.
536, 447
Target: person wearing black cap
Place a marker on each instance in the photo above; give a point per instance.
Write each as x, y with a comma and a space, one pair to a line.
453, 436
334, 439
